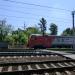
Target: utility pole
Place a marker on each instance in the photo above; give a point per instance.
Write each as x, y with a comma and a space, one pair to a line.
73, 12
24, 26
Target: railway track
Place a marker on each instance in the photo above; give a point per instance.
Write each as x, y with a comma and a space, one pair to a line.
24, 52
32, 58
36, 63
52, 64
66, 67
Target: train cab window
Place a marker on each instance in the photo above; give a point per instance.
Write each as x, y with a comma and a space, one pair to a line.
33, 37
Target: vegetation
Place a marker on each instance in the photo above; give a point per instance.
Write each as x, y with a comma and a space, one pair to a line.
5, 29
18, 36
68, 32
43, 26
53, 29
21, 36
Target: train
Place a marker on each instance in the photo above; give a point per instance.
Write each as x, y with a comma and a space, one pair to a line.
50, 41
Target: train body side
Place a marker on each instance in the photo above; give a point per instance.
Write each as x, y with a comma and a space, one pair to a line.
63, 41
40, 41
51, 41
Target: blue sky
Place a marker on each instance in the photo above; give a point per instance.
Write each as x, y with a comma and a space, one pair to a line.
17, 14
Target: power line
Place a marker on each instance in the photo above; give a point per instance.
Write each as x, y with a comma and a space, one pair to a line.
18, 11
26, 13
37, 5
17, 17
26, 8
11, 16
31, 18
27, 18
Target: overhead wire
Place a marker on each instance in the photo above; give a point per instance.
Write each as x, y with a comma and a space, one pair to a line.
30, 5
31, 18
34, 5
27, 13
31, 8
37, 5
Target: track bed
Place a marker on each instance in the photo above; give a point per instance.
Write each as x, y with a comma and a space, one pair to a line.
52, 64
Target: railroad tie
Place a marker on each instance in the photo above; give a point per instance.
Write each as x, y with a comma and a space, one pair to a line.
56, 55
10, 68
46, 73
67, 64
57, 73
47, 55
26, 56
32, 56
69, 73
1, 69
60, 65
14, 57
29, 67
53, 65
20, 68
45, 65
2, 57
37, 66
72, 63
51, 55
33, 74
38, 56
42, 56
8, 57
20, 56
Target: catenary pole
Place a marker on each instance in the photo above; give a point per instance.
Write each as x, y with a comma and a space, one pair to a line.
73, 12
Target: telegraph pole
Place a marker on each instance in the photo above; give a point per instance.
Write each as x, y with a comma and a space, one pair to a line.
73, 12
24, 26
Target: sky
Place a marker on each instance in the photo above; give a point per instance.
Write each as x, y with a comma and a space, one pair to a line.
19, 13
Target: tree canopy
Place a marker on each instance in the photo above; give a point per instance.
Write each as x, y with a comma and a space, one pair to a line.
42, 24
53, 29
67, 32
5, 29
21, 36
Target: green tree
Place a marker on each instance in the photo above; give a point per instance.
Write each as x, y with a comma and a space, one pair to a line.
32, 30
20, 36
23, 39
53, 29
67, 32
15, 37
43, 25
5, 29
9, 39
